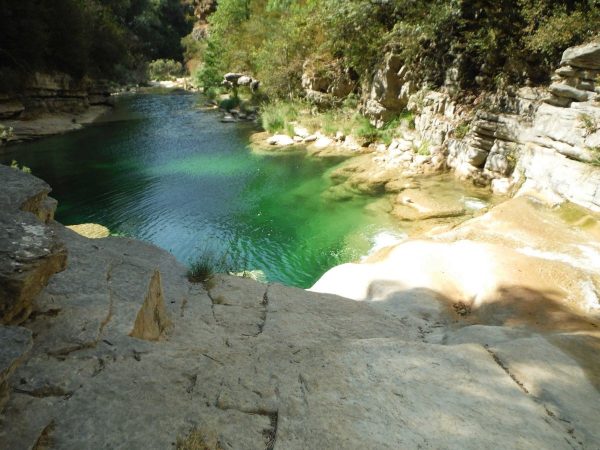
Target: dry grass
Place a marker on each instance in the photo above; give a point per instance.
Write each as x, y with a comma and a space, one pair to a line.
195, 441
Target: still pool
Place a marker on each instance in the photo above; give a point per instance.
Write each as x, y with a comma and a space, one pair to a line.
160, 169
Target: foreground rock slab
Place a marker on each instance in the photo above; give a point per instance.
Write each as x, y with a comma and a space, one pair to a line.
126, 353
16, 342
30, 253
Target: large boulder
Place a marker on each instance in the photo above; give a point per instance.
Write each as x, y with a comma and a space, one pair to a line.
30, 252
585, 56
390, 89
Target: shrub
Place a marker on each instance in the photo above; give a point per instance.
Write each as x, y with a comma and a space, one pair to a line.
276, 117
366, 130
370, 133
15, 165
229, 103
6, 133
423, 149
589, 124
164, 69
462, 130
596, 155
194, 441
206, 265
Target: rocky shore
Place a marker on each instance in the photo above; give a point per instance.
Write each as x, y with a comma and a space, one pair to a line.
52, 104
547, 136
486, 335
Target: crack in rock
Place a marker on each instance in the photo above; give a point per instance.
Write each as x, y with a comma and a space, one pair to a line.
498, 361
45, 391
568, 429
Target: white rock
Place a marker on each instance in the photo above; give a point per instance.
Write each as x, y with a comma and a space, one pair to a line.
228, 118
422, 159
280, 140
323, 142
501, 186
406, 156
301, 131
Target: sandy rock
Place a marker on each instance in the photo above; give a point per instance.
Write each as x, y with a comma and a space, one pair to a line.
254, 366
152, 321
414, 204
90, 230
322, 142
30, 255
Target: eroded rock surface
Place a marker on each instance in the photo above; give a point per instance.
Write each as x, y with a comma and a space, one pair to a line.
30, 253
260, 366
16, 342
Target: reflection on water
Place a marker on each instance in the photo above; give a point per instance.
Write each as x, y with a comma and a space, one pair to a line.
159, 169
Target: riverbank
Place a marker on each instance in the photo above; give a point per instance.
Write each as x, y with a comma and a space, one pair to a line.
48, 124
471, 336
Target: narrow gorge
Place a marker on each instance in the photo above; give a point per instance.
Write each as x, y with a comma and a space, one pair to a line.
434, 287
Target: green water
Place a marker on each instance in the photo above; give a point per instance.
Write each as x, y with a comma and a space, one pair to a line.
159, 169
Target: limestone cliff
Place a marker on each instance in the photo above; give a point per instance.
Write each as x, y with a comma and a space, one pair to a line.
548, 136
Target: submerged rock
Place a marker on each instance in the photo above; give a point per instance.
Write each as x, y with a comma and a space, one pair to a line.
90, 230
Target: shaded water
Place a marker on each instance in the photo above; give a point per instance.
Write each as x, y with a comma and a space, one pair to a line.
159, 169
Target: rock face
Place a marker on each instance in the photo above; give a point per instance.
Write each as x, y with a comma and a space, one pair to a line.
55, 102
16, 342
30, 253
526, 133
390, 90
127, 353
326, 84
584, 56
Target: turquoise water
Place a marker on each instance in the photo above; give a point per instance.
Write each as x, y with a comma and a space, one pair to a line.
160, 169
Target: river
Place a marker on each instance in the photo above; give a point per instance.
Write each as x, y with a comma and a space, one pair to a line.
161, 169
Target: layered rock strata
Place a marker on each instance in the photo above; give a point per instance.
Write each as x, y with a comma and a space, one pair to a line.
53, 103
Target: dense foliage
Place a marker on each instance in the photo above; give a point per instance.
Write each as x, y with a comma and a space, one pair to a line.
97, 38
165, 69
488, 42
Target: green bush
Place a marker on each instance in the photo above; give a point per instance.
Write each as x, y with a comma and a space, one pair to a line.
164, 69
390, 130
276, 117
207, 264
229, 103
6, 133
15, 165
423, 149
589, 123
461, 130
